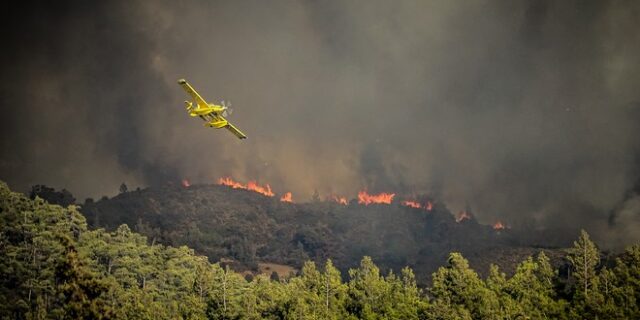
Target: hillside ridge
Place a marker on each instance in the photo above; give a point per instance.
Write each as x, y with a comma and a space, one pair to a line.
248, 228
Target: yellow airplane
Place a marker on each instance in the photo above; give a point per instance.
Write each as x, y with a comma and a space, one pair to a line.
211, 113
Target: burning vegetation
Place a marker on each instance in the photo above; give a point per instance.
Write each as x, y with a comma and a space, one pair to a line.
251, 186
122, 246
463, 215
499, 226
367, 199
412, 204
415, 204
286, 197
338, 199
364, 198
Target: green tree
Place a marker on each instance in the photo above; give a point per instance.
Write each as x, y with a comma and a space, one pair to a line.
227, 297
497, 282
40, 274
79, 291
584, 257
333, 292
443, 310
457, 285
612, 297
51, 266
306, 299
63, 197
406, 297
368, 291
531, 287
625, 278
551, 304
271, 298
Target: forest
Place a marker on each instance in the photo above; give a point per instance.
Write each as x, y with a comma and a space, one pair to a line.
52, 266
245, 228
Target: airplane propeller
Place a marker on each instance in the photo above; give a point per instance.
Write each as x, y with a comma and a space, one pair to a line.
227, 109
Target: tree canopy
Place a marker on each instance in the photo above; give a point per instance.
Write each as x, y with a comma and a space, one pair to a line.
53, 267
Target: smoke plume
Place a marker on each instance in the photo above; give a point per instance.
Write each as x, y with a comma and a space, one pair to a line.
526, 110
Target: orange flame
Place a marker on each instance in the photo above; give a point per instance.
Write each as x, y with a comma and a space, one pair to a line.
185, 183
266, 190
463, 215
339, 199
251, 186
412, 204
230, 183
366, 199
498, 226
286, 197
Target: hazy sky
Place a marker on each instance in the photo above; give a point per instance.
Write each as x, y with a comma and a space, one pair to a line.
527, 111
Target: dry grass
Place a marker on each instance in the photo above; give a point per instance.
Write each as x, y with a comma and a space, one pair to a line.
281, 269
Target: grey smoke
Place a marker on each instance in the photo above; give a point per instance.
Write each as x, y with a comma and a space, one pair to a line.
525, 110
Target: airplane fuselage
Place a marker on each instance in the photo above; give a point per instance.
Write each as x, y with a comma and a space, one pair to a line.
209, 114
213, 114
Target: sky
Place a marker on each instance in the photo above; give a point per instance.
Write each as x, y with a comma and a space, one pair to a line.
523, 111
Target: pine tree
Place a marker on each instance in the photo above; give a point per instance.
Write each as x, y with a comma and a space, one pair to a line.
405, 295
532, 288
51, 266
608, 307
368, 290
334, 292
41, 275
271, 297
79, 291
626, 279
497, 282
457, 284
584, 258
306, 294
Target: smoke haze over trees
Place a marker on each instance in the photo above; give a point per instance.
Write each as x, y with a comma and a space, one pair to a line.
527, 111
53, 266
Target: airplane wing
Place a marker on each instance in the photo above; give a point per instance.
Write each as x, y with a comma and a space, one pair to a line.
192, 92
235, 131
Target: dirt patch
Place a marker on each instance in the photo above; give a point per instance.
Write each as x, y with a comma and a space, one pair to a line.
281, 269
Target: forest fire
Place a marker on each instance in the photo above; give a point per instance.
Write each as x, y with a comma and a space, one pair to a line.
266, 190
251, 186
338, 199
499, 226
286, 197
463, 215
230, 183
366, 199
429, 206
412, 204
185, 183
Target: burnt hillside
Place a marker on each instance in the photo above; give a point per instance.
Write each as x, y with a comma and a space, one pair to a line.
249, 228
